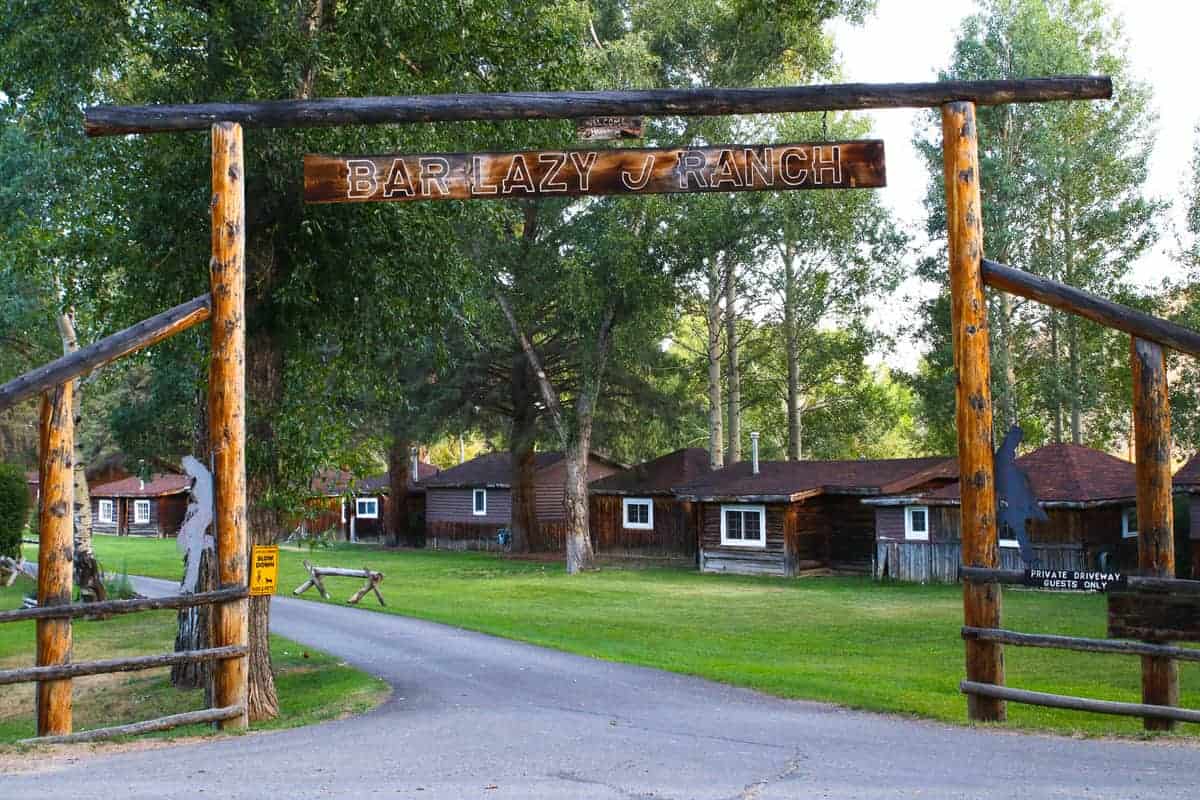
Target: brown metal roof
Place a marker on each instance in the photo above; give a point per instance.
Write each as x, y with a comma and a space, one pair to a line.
160, 484
1188, 476
659, 476
781, 480
494, 470
1069, 474
332, 482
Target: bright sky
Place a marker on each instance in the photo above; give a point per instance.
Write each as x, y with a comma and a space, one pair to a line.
908, 41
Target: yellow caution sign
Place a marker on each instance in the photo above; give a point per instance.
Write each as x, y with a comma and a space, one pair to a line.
264, 569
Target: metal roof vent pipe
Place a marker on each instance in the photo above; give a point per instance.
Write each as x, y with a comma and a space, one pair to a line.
754, 452
415, 468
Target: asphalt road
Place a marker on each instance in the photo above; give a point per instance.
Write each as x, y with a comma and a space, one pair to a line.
474, 716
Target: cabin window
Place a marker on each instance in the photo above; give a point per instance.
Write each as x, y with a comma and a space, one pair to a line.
916, 523
367, 508
479, 502
1129, 523
141, 512
105, 511
743, 526
639, 513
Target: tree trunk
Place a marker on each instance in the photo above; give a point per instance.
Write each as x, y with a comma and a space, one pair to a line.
1073, 365
399, 469
195, 632
1007, 370
580, 555
716, 433
792, 348
524, 430
87, 570
733, 452
264, 367
1055, 381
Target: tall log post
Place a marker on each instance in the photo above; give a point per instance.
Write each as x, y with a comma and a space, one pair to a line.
56, 554
968, 314
1155, 524
227, 409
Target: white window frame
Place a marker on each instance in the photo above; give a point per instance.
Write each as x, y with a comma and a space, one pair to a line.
138, 505
104, 505
909, 534
1126, 533
358, 507
475, 509
761, 542
648, 525
1010, 543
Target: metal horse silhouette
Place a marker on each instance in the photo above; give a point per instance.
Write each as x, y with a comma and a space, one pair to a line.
1015, 500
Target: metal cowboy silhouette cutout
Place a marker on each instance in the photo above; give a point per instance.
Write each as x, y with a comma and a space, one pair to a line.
1015, 500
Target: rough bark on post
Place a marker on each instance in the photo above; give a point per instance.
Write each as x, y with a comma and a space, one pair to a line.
227, 408
56, 555
195, 541
968, 313
1156, 537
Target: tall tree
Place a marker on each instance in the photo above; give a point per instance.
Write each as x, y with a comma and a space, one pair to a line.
1063, 188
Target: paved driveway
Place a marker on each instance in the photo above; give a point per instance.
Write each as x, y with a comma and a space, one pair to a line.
473, 716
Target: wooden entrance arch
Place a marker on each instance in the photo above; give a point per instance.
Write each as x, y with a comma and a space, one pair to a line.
969, 273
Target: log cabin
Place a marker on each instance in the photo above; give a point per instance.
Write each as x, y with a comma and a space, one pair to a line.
359, 509
1089, 497
1187, 518
636, 514
135, 507
467, 506
792, 518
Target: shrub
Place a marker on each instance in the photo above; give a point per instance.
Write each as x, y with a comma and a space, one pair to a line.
14, 509
118, 586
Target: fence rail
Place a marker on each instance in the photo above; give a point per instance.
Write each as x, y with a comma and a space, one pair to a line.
147, 726
110, 607
60, 671
1078, 703
1083, 644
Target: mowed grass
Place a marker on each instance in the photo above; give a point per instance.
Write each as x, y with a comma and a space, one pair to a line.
312, 686
884, 647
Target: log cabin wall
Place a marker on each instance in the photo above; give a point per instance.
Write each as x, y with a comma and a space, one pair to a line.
451, 524
1072, 538
674, 534
769, 560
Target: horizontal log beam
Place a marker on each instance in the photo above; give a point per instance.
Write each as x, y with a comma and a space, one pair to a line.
1076, 301
107, 666
142, 335
326, 112
109, 607
1079, 703
149, 726
1115, 646
1137, 583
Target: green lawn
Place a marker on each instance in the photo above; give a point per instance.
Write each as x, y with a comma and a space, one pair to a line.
885, 647
312, 686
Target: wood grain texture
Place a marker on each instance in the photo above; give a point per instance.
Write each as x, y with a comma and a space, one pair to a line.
1154, 618
110, 607
227, 410
1080, 644
160, 724
325, 112
1076, 301
56, 554
969, 324
1156, 538
1078, 703
111, 665
569, 173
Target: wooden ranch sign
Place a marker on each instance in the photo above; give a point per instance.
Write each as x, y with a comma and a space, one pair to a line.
565, 173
